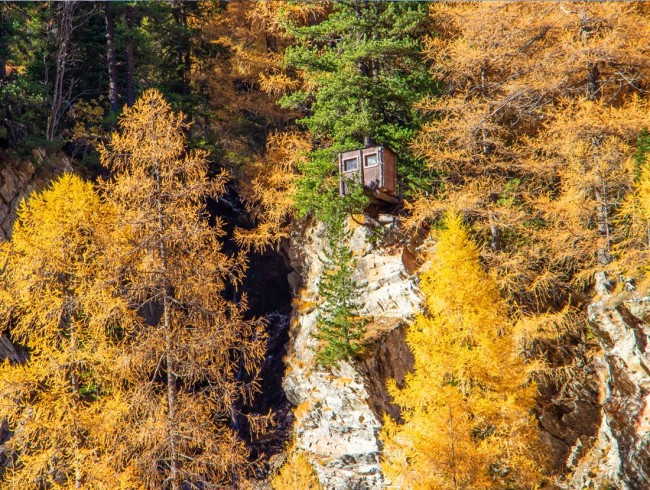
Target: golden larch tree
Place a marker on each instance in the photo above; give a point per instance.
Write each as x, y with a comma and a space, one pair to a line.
634, 216
196, 358
245, 87
64, 403
467, 405
588, 147
267, 187
296, 473
515, 76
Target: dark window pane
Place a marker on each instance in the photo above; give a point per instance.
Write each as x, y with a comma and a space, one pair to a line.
371, 160
350, 164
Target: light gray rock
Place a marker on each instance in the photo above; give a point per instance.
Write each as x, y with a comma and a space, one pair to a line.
619, 457
335, 425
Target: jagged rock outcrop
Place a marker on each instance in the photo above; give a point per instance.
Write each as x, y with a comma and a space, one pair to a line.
618, 457
18, 178
338, 413
596, 427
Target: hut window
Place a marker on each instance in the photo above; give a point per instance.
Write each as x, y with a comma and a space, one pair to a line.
350, 164
370, 160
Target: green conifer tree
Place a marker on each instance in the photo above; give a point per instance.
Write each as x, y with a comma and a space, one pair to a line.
362, 72
339, 326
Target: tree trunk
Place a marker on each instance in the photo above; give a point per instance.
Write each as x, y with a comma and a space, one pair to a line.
495, 243
110, 56
184, 54
130, 62
593, 74
487, 145
604, 256
74, 381
64, 33
365, 71
67, 322
171, 392
169, 345
453, 448
593, 81
601, 193
187, 64
3, 44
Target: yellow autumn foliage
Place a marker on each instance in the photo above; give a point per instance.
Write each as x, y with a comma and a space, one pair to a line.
268, 188
534, 137
195, 357
467, 405
296, 473
63, 403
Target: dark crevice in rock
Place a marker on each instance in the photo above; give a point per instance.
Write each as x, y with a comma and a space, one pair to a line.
389, 358
568, 413
636, 325
269, 297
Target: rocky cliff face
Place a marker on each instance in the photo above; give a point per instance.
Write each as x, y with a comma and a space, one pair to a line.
338, 413
618, 457
18, 178
597, 429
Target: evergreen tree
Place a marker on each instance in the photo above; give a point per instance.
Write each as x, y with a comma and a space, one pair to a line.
339, 326
22, 91
64, 403
467, 405
362, 72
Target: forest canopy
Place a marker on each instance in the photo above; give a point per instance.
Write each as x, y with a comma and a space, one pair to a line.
206, 135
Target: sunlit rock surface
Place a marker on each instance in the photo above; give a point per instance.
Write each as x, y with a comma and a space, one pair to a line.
338, 412
618, 457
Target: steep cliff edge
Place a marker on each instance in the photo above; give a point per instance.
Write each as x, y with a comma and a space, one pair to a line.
338, 413
618, 457
596, 427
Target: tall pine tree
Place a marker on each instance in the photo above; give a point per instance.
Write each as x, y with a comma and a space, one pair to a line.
361, 73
